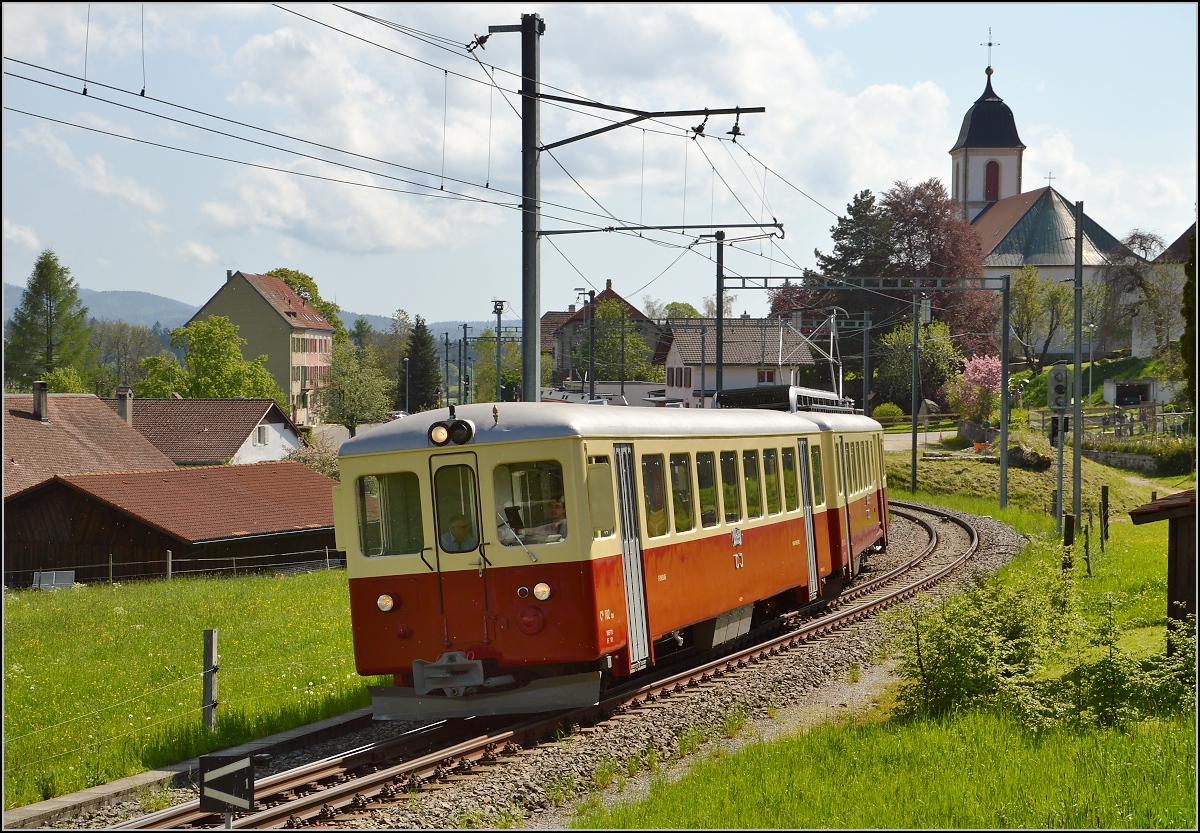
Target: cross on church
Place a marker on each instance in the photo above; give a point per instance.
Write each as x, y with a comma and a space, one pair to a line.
1050, 178
989, 45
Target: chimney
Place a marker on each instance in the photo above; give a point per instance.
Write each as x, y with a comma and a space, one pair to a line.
41, 401
571, 308
608, 284
745, 314
228, 275
125, 404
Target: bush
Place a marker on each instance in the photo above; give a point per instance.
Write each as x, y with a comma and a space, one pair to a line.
1172, 455
887, 410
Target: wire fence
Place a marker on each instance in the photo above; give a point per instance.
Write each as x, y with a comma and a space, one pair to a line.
114, 571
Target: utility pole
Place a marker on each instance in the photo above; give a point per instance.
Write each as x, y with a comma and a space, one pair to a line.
591, 344
1004, 312
447, 337
1077, 451
867, 366
498, 308
463, 371
720, 235
916, 323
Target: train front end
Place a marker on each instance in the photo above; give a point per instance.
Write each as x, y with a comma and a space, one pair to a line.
468, 548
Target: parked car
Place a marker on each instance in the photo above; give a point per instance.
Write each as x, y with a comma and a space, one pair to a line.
397, 414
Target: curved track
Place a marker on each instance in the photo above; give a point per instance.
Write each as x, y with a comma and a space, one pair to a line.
373, 775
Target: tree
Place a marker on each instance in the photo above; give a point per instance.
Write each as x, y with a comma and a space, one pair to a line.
710, 305
49, 328
483, 378
681, 309
64, 380
424, 376
306, 288
358, 391
119, 348
1124, 275
391, 346
938, 359
318, 455
1038, 308
932, 239
1187, 342
975, 393
362, 333
213, 366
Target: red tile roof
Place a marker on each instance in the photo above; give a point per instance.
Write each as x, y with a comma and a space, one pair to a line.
201, 431
212, 503
752, 342
294, 309
83, 435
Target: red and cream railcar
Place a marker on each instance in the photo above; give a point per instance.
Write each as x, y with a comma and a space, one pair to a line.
679, 525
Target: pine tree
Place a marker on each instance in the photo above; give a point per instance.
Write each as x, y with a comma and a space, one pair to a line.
49, 329
423, 372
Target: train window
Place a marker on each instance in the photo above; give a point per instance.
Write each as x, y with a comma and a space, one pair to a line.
600, 481
753, 484
791, 494
524, 493
454, 497
389, 514
771, 480
654, 491
731, 487
818, 477
853, 466
681, 492
706, 482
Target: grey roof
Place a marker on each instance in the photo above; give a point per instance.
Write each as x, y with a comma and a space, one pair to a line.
989, 123
529, 421
749, 342
1038, 228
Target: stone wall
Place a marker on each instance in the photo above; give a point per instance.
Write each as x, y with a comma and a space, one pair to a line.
1121, 460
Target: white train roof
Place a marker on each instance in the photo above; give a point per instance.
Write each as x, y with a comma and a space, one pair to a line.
526, 421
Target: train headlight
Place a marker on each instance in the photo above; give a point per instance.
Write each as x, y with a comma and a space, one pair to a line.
458, 431
541, 591
385, 602
439, 433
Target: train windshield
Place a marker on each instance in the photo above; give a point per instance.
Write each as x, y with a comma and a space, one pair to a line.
455, 490
389, 514
530, 505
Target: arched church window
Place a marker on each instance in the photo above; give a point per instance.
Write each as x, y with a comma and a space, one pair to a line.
991, 181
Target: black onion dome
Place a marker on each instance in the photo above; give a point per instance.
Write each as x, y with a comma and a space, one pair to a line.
989, 123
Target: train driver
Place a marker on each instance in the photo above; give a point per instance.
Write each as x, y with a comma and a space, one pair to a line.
557, 524
460, 538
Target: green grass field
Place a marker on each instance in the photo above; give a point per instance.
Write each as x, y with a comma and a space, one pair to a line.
102, 682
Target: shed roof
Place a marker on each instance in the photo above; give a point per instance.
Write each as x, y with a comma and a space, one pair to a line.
82, 435
201, 431
1038, 228
212, 503
1178, 505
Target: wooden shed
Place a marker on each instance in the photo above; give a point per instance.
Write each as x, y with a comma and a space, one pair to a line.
142, 524
1179, 510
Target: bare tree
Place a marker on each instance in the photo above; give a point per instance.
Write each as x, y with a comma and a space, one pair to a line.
1039, 308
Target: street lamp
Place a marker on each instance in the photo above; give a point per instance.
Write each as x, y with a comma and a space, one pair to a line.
407, 410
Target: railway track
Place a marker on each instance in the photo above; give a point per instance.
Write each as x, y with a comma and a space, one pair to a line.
333, 790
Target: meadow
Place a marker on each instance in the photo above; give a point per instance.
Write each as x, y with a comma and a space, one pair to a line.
984, 764
104, 681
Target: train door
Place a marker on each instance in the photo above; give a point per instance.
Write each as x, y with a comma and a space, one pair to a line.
460, 559
841, 461
631, 558
806, 496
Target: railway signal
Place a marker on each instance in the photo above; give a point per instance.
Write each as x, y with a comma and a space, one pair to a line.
1058, 389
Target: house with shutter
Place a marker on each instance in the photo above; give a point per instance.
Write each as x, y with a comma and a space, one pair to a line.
277, 322
48, 434
208, 432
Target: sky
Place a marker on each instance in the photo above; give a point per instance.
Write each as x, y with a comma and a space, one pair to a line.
420, 213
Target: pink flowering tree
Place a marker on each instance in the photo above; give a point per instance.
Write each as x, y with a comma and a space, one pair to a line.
976, 392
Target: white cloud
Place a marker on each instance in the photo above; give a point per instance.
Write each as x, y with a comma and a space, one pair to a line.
199, 253
92, 174
21, 235
843, 15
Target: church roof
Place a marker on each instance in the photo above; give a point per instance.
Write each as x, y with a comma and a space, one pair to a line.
1178, 251
989, 123
1038, 228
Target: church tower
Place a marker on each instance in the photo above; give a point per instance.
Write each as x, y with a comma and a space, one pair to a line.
986, 159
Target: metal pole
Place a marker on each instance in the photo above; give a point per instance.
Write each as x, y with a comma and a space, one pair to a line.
1077, 451
532, 27
447, 337
867, 366
498, 308
168, 565
1058, 498
915, 326
720, 235
407, 407
1004, 313
703, 374
591, 344
209, 695
622, 352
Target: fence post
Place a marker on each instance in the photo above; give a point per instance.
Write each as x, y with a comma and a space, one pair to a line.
327, 558
209, 703
1087, 547
1068, 542
168, 565
110, 568
1103, 517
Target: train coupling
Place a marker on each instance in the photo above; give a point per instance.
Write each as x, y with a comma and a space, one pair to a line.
452, 672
